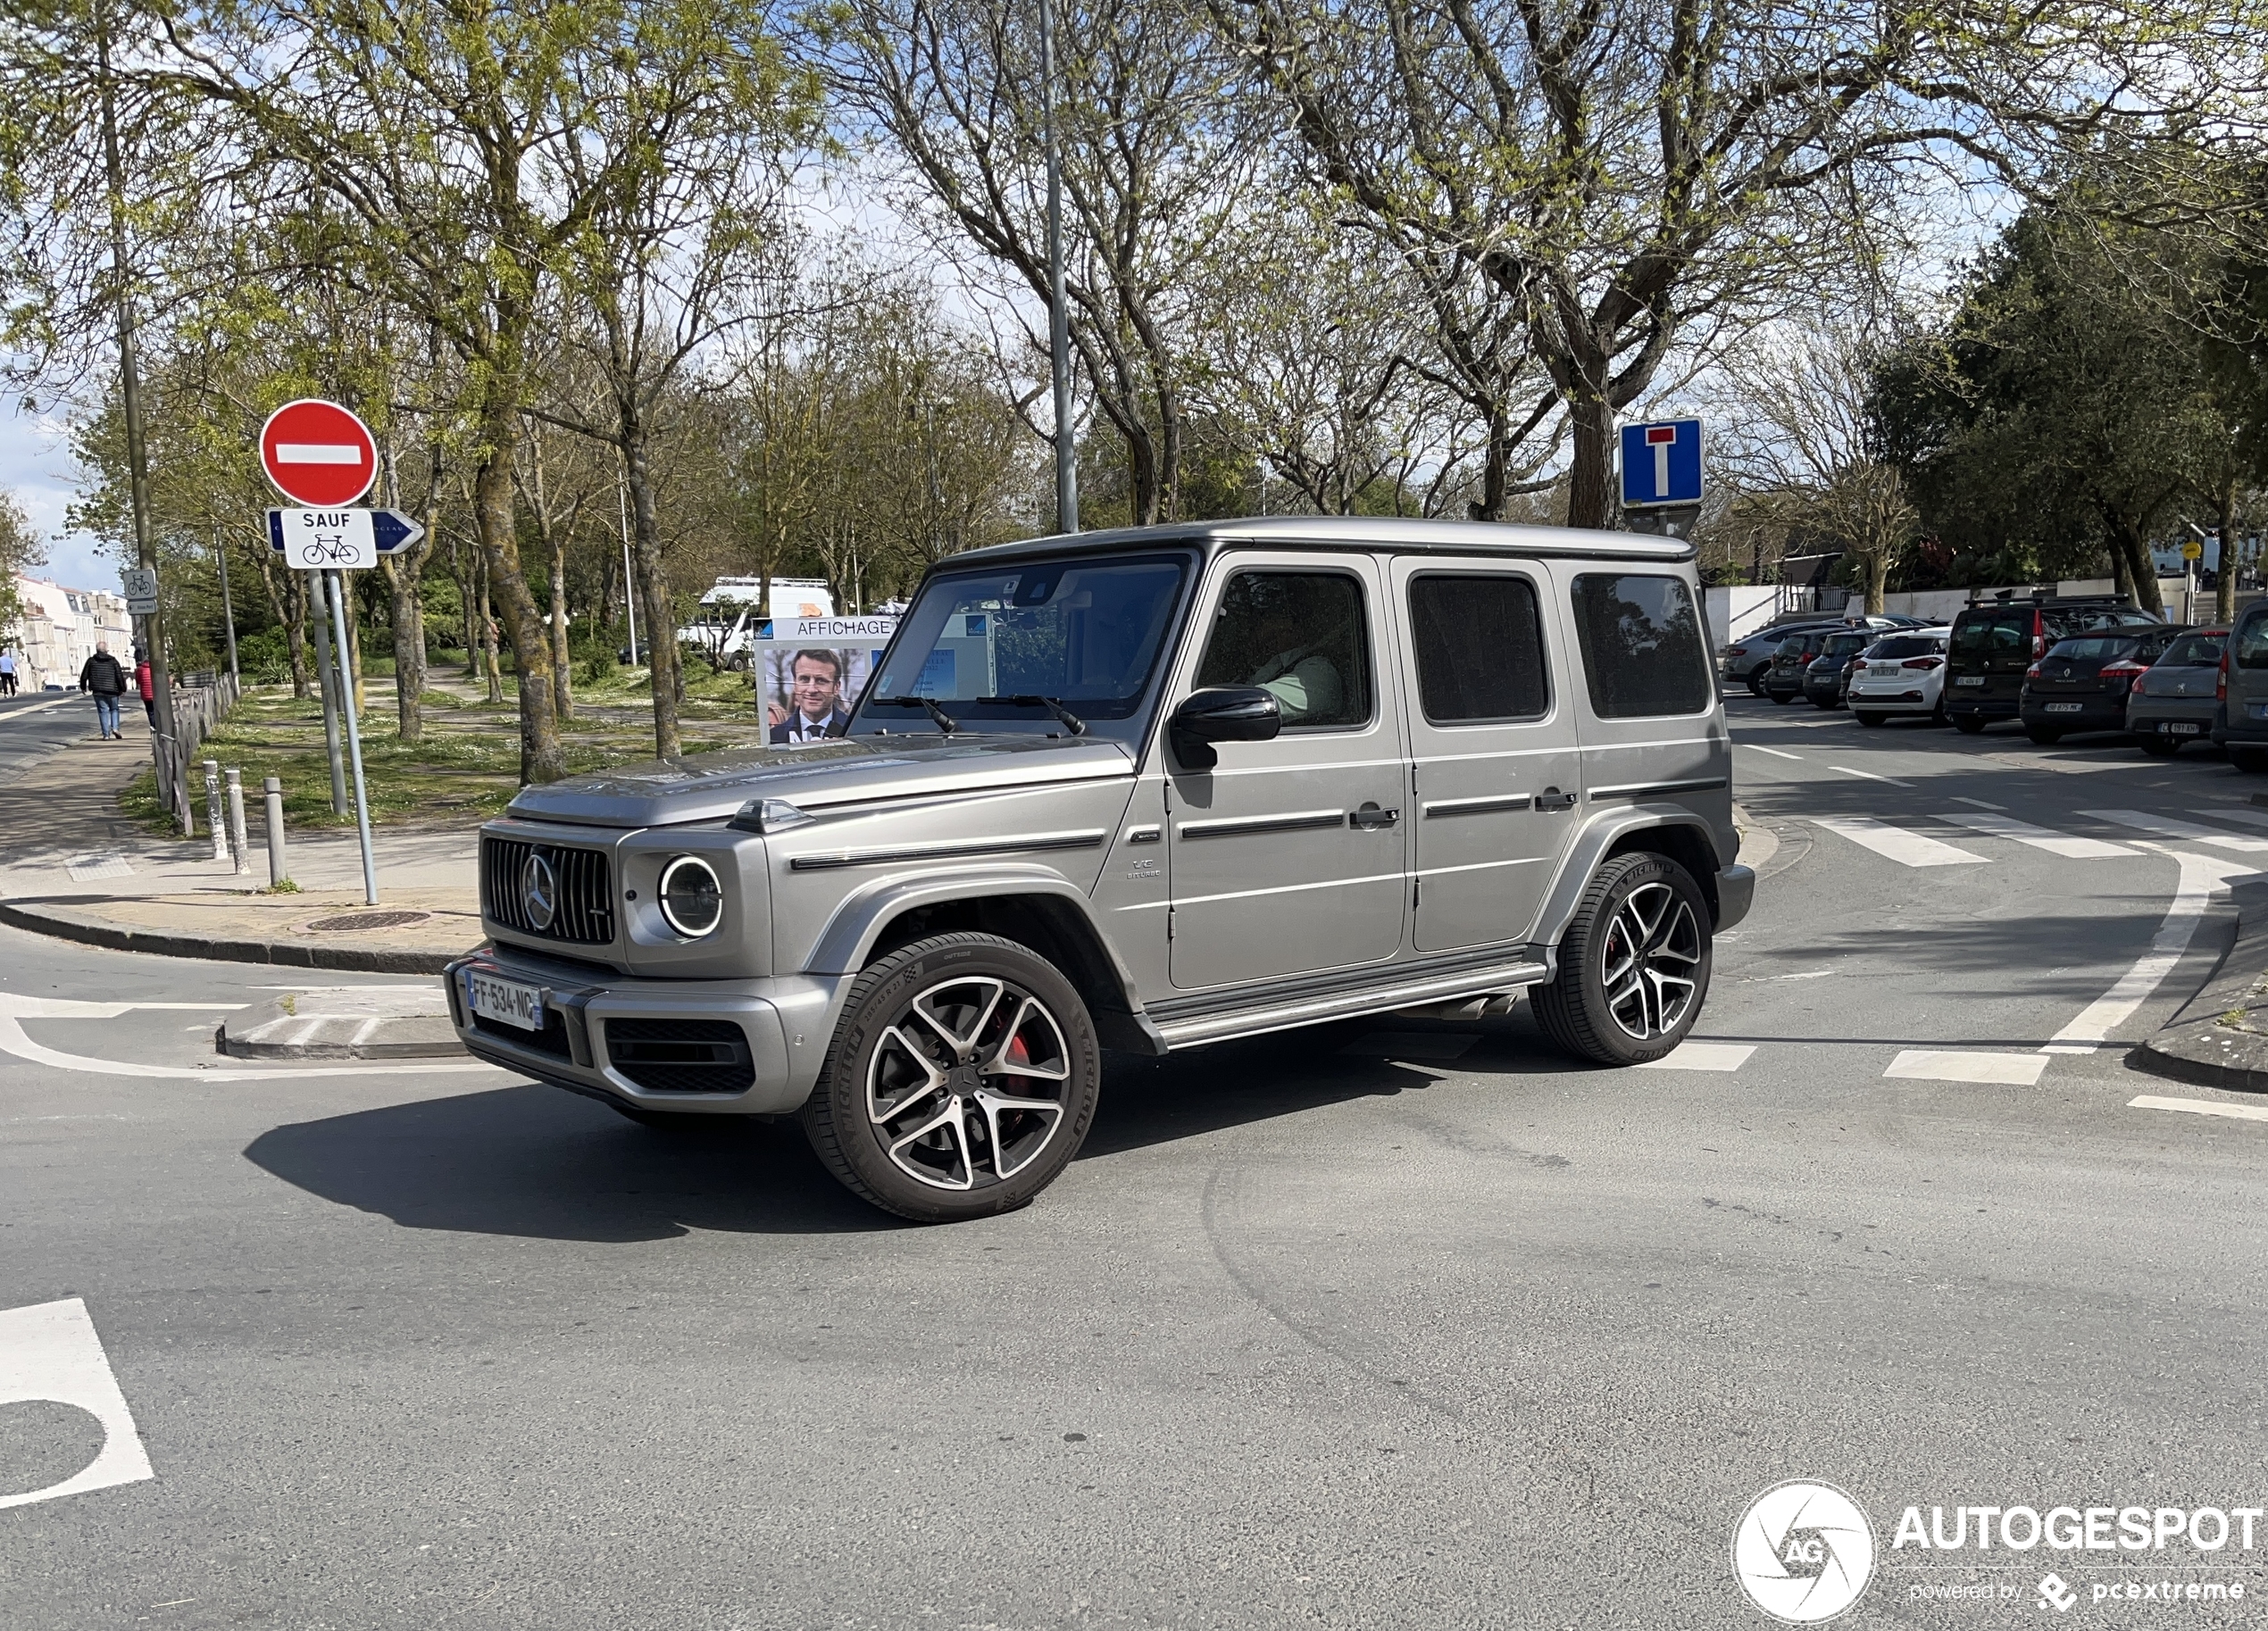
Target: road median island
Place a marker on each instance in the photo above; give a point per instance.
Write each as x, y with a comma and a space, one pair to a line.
2219, 1038
416, 931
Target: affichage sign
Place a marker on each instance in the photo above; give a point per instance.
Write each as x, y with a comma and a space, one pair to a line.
1805, 1552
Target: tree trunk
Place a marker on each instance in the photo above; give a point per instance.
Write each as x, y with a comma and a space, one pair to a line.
541, 758
2127, 539
562, 656
485, 631
1878, 578
652, 591
2225, 588
283, 600
2121, 581
1590, 476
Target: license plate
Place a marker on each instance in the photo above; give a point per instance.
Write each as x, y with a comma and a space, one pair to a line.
506, 1001
1969, 679
2063, 707
2177, 729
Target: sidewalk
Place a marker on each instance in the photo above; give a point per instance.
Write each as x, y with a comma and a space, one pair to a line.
71, 865
2220, 1037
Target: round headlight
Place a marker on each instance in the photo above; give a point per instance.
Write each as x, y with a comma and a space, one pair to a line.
692, 900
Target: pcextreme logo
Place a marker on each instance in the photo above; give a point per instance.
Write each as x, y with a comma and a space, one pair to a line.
1803, 1552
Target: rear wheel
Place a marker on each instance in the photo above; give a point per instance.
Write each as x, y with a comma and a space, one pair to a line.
2160, 746
1968, 724
2251, 761
1633, 965
960, 1082
1824, 701
1755, 682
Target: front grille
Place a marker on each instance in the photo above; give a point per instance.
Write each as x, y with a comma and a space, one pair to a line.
552, 1039
584, 914
681, 1055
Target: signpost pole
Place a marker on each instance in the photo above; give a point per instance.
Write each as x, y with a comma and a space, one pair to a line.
335, 589
228, 608
329, 692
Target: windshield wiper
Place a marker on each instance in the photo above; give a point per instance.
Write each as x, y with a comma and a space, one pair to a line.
946, 723
1063, 715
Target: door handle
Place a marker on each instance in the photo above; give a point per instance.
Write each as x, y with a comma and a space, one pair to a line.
1371, 815
1552, 798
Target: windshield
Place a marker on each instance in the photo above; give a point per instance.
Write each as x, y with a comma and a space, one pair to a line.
1085, 633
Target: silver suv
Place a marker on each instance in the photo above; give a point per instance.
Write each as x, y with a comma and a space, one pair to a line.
1141, 790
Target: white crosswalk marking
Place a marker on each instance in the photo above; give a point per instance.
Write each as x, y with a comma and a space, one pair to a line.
1962, 1065
2249, 817
2166, 826
1703, 1056
2039, 837
1896, 844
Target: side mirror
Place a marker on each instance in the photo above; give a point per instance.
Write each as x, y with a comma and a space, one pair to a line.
1227, 713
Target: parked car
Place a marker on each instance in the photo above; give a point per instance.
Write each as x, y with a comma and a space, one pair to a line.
2178, 699
2243, 724
1900, 674
2081, 683
1828, 676
1745, 660
1995, 641
1144, 789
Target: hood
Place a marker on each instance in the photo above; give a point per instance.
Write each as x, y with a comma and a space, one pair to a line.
827, 775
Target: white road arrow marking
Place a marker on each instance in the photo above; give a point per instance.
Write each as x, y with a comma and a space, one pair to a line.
49, 1352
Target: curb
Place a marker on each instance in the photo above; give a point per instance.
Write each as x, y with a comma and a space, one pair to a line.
55, 916
2193, 1046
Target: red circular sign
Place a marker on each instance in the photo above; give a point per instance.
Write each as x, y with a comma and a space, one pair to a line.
318, 454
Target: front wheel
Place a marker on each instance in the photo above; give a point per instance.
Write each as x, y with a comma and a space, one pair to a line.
1755, 682
960, 1081
1633, 965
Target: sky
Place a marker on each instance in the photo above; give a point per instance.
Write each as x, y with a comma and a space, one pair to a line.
35, 465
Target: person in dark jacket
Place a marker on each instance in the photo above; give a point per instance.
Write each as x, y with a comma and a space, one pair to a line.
103, 680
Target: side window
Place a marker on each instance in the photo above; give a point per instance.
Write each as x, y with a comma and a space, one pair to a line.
1301, 636
1641, 643
1479, 648
2252, 643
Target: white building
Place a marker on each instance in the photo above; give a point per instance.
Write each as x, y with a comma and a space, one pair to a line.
58, 629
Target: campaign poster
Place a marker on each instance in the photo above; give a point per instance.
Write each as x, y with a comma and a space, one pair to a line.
812, 670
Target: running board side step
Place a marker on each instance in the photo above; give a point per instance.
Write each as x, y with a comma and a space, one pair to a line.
1486, 980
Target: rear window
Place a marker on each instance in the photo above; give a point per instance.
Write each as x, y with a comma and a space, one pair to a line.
1905, 646
2194, 651
2063, 623
1642, 649
1993, 633
2094, 648
1792, 646
1846, 646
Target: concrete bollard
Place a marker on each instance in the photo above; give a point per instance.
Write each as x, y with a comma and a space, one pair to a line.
278, 871
238, 847
212, 816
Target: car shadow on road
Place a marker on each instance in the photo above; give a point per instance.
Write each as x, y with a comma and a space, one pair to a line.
532, 1161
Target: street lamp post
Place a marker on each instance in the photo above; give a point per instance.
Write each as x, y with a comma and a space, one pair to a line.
1058, 317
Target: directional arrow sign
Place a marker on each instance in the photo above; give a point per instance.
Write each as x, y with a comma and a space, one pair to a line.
340, 539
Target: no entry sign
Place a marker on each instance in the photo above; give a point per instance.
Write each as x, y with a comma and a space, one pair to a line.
318, 454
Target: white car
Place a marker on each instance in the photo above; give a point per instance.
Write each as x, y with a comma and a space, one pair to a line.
1900, 673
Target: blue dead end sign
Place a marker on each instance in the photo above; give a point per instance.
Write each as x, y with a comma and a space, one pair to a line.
1662, 464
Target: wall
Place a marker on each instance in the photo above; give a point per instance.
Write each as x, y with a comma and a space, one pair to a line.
1943, 604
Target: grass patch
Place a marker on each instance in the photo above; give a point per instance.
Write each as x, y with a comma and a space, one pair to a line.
465, 768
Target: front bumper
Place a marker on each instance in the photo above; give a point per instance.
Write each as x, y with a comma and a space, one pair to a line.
782, 1025
1735, 892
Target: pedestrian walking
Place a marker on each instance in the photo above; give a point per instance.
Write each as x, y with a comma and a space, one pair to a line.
103, 680
146, 684
7, 673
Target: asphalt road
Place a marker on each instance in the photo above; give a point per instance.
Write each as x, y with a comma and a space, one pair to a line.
1399, 1324
34, 724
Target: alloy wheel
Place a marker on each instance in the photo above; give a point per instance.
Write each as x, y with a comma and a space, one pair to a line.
1648, 959
966, 1086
